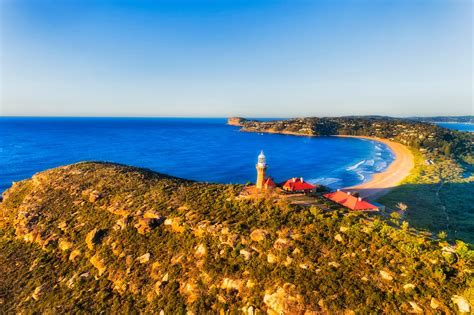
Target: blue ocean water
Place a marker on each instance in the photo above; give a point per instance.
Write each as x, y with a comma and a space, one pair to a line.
457, 126
198, 149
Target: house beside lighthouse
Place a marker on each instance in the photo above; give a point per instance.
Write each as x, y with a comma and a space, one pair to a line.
292, 185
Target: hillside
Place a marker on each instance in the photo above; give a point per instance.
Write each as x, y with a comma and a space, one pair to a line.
91, 237
454, 119
418, 135
438, 190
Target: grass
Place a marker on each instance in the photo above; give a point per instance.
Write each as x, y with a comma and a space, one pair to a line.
438, 198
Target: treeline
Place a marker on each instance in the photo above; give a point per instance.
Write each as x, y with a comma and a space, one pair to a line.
419, 135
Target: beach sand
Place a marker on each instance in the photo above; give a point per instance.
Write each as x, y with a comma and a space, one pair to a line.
382, 183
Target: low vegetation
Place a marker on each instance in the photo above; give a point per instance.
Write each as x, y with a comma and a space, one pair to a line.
439, 197
96, 236
438, 192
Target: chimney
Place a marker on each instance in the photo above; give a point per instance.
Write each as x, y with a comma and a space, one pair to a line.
349, 193
360, 199
338, 189
301, 179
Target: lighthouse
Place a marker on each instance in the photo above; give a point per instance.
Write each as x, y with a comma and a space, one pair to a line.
261, 169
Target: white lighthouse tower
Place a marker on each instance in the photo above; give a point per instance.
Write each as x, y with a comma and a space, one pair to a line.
261, 169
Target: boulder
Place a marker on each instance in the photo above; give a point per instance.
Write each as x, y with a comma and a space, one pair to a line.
74, 254
462, 304
296, 251
94, 237
122, 222
334, 264
145, 225
200, 251
64, 244
150, 214
409, 287
175, 224
62, 226
271, 259
284, 301
282, 244
303, 266
246, 254
415, 308
230, 284
343, 229
434, 303
98, 263
258, 235
144, 258
339, 238
91, 195
386, 275
190, 291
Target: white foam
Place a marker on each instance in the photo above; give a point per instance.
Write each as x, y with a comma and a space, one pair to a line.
380, 166
355, 166
369, 162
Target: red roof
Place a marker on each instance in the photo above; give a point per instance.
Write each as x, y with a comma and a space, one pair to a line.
297, 184
349, 201
269, 183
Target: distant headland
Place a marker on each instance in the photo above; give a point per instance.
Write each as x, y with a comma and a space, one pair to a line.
418, 135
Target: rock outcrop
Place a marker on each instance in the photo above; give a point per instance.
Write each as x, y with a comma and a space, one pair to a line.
95, 236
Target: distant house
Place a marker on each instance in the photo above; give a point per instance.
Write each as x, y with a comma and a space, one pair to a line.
346, 199
297, 185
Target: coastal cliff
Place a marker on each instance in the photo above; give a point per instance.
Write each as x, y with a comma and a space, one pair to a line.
236, 121
90, 237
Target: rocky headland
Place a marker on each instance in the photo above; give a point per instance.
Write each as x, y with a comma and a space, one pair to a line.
94, 237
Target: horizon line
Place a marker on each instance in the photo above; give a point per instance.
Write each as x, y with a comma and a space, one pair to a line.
230, 116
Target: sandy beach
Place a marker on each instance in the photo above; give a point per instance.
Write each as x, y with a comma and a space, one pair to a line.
382, 183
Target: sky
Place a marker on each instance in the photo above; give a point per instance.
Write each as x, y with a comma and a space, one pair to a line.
236, 58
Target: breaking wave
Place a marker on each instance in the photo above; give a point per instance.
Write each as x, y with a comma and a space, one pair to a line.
355, 166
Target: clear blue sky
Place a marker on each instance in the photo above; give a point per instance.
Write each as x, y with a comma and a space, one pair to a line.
246, 58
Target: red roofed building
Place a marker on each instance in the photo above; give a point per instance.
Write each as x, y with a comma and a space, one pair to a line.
347, 200
298, 185
269, 183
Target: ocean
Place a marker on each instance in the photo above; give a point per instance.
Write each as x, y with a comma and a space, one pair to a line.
198, 149
457, 126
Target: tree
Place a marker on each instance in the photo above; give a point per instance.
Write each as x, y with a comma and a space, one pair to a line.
403, 207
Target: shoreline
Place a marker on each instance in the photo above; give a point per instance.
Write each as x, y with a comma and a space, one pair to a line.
383, 182
380, 183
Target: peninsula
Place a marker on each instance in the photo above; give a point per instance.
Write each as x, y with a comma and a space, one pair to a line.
99, 236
